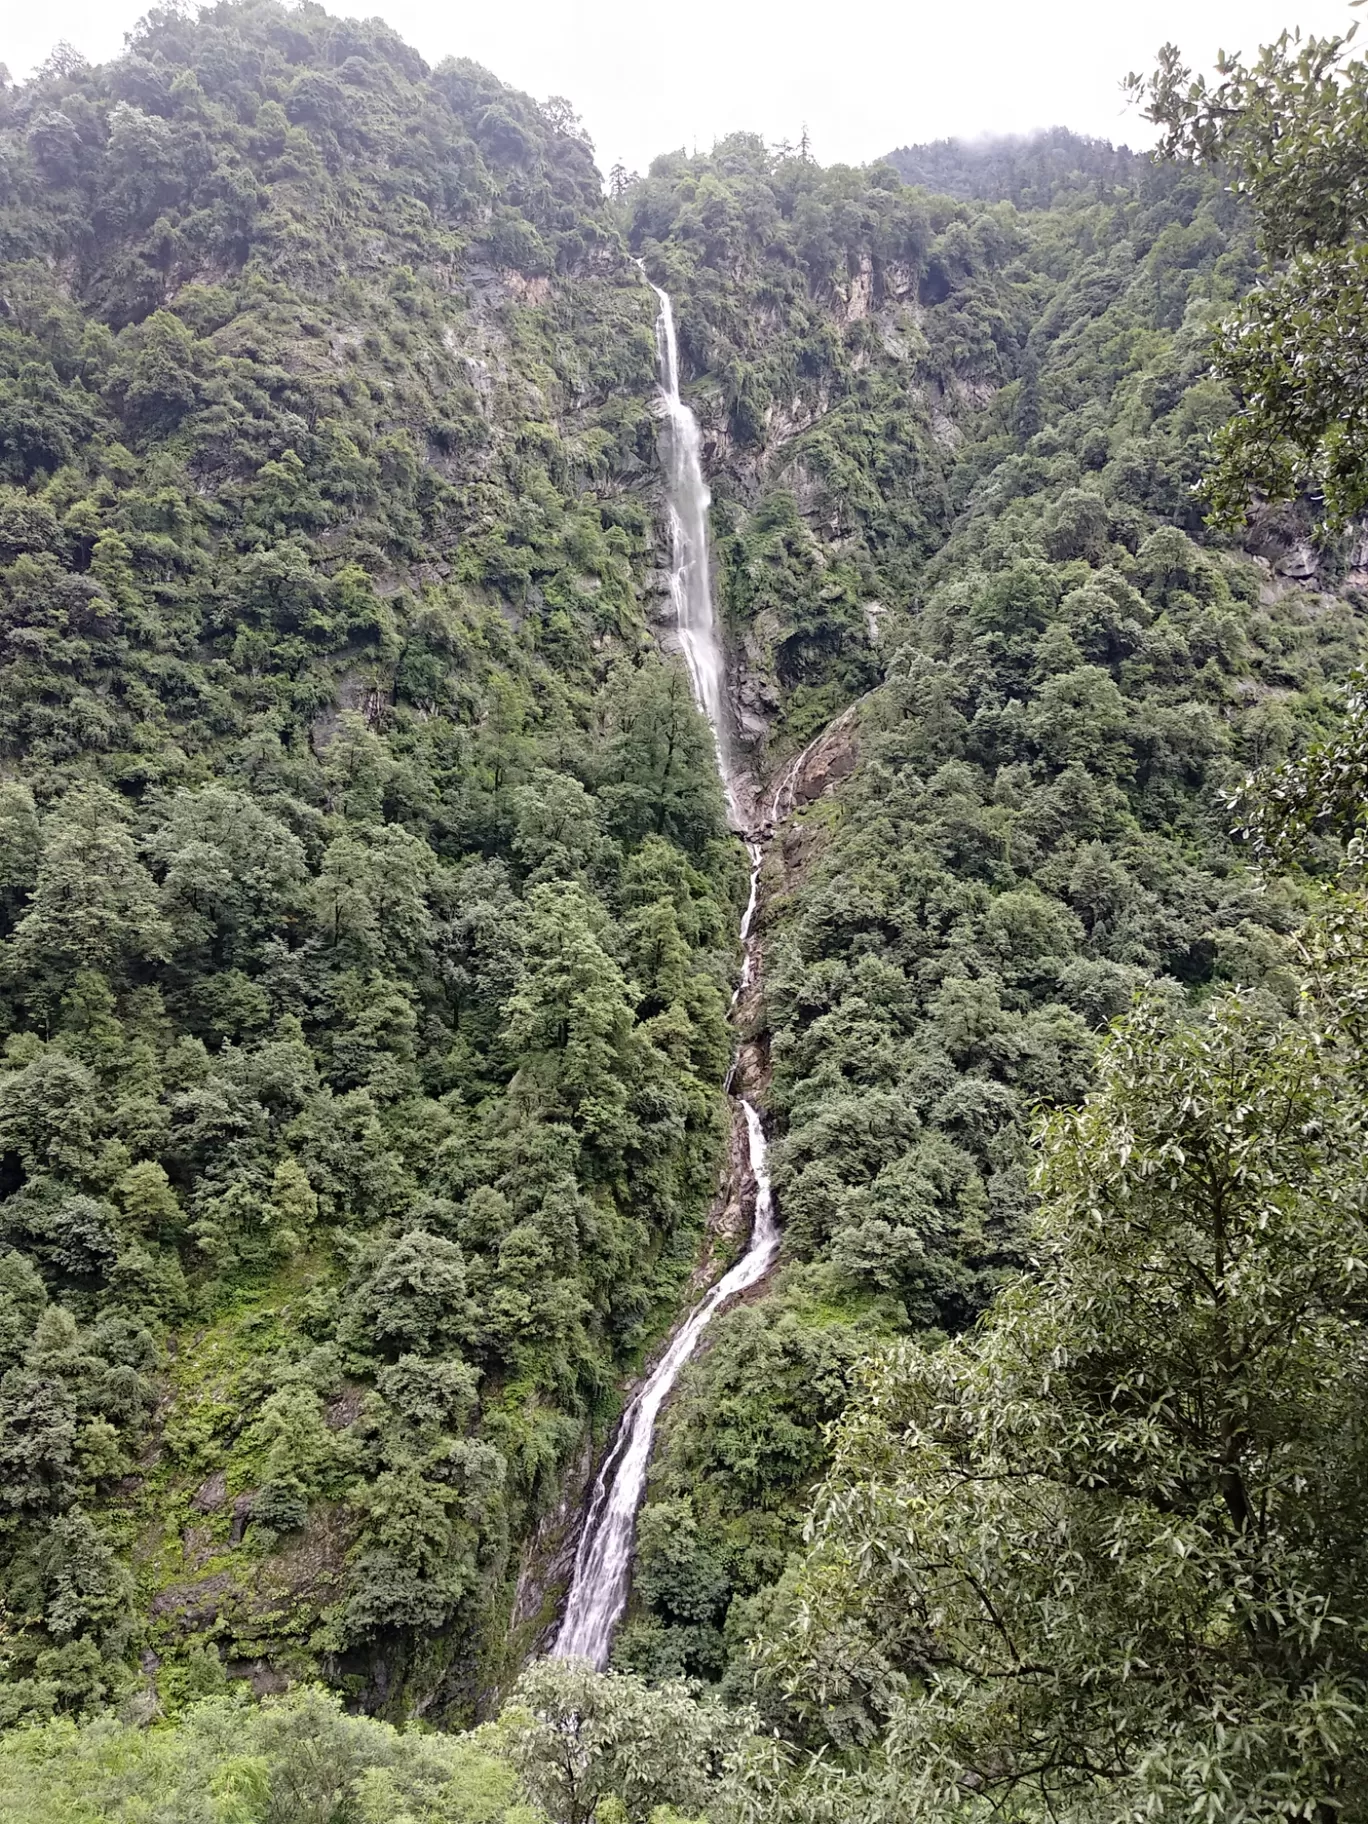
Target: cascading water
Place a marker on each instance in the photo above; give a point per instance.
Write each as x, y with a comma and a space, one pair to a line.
688, 500
598, 1588
598, 1592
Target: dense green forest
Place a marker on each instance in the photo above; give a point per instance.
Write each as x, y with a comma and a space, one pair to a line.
1071, 678
368, 926
367, 902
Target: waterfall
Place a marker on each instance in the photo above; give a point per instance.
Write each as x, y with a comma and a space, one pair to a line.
598, 1587
687, 501
598, 1592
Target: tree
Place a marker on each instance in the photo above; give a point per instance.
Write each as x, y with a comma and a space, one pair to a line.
558, 834
161, 387
571, 1018
93, 905
1105, 1559
1291, 128
49, 1115
1290, 812
369, 897
20, 847
299, 1757
230, 871
37, 1442
662, 776
414, 1298
579, 1738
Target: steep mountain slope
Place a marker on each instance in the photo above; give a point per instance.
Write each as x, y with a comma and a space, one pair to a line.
367, 902
1018, 827
368, 907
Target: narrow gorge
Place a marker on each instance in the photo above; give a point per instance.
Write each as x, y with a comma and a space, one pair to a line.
601, 1579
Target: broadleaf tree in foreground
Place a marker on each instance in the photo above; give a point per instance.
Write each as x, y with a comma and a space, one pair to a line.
1291, 128
1104, 1557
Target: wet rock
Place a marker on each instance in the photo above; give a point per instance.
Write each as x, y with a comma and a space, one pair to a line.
1299, 562
211, 1493
821, 766
193, 1607
265, 1679
345, 1409
358, 693
242, 1513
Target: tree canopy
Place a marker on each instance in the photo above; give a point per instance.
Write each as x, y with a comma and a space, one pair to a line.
1290, 127
368, 928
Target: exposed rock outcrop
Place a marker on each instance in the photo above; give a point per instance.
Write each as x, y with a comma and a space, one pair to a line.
821, 765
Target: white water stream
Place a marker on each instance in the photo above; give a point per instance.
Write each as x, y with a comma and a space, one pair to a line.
688, 500
603, 1563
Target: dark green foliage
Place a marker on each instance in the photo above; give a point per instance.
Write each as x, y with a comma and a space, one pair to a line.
1150, 1455
1288, 129
364, 888
366, 905
843, 330
1036, 824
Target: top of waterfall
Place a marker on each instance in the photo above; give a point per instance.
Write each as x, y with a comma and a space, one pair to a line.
668, 341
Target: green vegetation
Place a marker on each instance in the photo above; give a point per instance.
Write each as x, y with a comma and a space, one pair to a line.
876, 364
367, 921
367, 904
570, 1747
1100, 1558
230, 1761
1104, 1557
1289, 127
1033, 171
1035, 828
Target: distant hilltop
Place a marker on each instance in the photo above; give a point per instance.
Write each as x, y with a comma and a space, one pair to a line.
1032, 170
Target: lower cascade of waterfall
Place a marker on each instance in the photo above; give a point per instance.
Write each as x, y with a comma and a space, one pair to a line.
602, 1574
598, 1592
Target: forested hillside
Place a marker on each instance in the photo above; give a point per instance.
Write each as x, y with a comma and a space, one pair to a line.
368, 923
1033, 171
997, 450
367, 903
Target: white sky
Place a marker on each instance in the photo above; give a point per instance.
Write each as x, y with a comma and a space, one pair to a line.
865, 78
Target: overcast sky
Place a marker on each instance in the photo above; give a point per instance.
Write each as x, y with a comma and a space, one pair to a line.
863, 78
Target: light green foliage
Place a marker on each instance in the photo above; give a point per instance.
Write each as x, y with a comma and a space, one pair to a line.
1289, 128
592, 1746
572, 1746
1310, 811
1103, 1558
93, 904
297, 1758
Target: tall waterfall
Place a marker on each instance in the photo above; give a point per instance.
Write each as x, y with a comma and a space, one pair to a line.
688, 501
598, 1588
